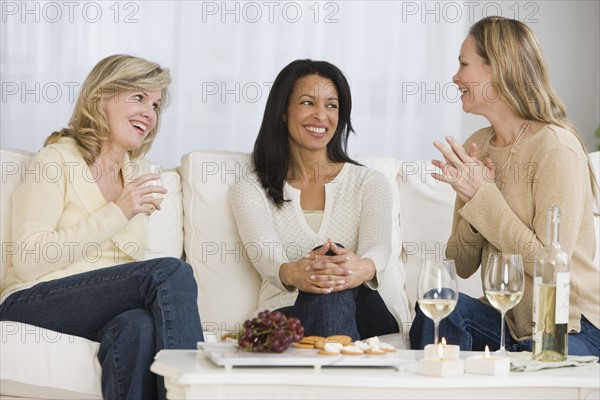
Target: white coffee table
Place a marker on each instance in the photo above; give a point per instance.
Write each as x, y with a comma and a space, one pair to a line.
190, 375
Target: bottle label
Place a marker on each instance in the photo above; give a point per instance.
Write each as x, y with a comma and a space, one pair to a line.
562, 297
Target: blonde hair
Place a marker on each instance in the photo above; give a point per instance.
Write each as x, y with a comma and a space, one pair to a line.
113, 75
520, 73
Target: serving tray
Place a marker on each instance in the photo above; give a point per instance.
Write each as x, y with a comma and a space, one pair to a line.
227, 355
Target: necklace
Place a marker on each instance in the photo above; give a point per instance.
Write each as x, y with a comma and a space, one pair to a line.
513, 150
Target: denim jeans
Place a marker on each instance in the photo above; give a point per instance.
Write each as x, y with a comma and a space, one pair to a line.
359, 313
133, 310
474, 324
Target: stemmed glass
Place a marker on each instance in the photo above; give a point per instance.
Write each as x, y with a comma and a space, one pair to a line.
151, 169
437, 291
503, 284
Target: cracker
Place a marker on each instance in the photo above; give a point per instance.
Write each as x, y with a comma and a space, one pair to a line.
303, 346
343, 339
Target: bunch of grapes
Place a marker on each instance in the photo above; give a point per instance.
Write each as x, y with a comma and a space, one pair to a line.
270, 332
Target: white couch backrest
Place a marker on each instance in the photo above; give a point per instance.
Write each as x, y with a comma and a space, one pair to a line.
14, 165
228, 283
427, 208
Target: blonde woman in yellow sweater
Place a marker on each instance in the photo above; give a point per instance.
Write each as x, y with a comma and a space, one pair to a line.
78, 232
505, 177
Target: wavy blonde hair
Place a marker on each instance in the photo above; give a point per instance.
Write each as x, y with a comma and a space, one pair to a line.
520, 73
111, 76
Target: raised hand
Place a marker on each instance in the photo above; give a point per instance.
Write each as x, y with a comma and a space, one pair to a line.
136, 197
462, 170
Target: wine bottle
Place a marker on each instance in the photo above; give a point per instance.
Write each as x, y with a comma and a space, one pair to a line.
551, 295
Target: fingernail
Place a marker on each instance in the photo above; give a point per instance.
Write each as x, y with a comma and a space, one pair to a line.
307, 256
349, 272
329, 290
347, 258
312, 278
341, 282
307, 268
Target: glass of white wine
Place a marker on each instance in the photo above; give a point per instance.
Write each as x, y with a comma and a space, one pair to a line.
437, 291
149, 253
503, 284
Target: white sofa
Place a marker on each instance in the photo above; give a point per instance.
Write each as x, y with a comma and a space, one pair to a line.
196, 223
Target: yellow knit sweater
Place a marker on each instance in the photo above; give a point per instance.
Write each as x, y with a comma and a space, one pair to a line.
62, 224
549, 168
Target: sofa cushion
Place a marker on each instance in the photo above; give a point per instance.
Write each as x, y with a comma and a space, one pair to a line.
427, 208
166, 225
392, 287
228, 284
40, 363
14, 163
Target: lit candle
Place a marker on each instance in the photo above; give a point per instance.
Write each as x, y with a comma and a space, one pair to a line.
451, 351
487, 364
439, 365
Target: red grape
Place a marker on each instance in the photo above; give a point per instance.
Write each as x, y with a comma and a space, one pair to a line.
270, 332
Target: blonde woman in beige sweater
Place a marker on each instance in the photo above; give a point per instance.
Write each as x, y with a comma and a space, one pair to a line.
79, 228
505, 177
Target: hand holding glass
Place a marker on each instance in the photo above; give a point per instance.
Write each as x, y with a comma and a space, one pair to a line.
151, 169
437, 291
503, 284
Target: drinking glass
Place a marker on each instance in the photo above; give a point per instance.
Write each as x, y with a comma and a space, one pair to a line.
503, 283
437, 291
151, 169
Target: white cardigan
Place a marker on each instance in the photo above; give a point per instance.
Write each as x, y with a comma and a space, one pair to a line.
358, 204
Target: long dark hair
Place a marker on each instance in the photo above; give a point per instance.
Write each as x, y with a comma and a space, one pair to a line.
271, 155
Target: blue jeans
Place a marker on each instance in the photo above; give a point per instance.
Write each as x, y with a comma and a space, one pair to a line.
359, 313
133, 310
473, 325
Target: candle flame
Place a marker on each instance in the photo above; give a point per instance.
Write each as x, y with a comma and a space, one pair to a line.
487, 352
441, 351
443, 341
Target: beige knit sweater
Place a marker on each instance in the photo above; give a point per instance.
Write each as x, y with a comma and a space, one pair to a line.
549, 168
62, 224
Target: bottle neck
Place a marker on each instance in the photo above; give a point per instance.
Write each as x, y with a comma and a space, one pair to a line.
553, 224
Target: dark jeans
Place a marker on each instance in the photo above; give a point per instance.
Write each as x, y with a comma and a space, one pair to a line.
473, 325
359, 313
133, 310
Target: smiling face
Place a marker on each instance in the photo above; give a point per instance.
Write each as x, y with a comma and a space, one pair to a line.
312, 114
131, 117
474, 79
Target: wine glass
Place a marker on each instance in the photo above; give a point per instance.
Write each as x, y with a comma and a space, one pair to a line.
503, 284
151, 169
437, 291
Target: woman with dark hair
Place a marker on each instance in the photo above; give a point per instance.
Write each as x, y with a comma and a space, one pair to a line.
321, 220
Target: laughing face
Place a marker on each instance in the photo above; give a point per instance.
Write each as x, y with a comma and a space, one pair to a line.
131, 117
474, 79
312, 114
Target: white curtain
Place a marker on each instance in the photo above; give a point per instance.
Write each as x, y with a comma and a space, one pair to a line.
398, 56
223, 57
